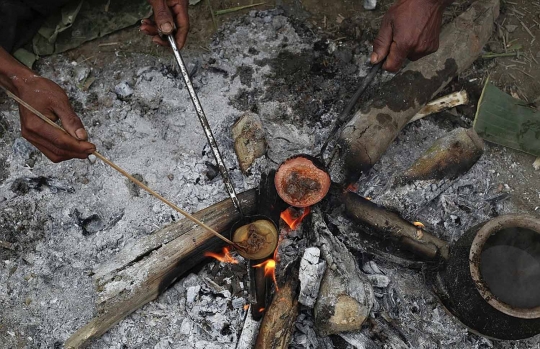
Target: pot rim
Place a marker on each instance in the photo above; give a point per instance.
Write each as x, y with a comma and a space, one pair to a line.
502, 222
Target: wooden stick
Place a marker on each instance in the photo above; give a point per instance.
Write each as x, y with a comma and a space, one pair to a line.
124, 173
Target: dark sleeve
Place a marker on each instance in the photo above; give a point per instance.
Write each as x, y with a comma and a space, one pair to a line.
21, 19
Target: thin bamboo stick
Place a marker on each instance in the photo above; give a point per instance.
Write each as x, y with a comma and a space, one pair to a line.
124, 173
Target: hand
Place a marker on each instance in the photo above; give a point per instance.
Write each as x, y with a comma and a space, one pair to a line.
410, 29
168, 16
49, 98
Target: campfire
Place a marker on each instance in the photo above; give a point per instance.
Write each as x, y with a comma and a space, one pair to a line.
305, 260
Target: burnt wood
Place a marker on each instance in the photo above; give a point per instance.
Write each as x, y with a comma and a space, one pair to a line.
374, 127
144, 269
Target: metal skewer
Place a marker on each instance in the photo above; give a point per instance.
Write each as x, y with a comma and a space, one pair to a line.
206, 126
127, 175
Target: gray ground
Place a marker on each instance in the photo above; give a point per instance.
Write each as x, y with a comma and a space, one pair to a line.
63, 219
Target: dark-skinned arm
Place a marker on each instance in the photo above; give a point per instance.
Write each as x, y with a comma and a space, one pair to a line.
409, 30
49, 98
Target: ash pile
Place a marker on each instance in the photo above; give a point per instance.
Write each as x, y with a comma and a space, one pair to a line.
78, 238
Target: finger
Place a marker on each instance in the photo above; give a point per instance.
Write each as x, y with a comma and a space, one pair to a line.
149, 29
382, 43
182, 21
395, 59
53, 138
163, 17
54, 154
158, 40
70, 121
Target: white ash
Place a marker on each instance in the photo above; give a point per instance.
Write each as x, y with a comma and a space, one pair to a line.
311, 273
46, 292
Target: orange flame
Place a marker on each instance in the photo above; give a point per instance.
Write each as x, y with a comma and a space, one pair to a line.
225, 257
246, 307
293, 217
269, 270
419, 225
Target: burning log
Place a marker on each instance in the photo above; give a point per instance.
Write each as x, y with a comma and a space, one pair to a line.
449, 157
143, 270
345, 296
278, 324
414, 238
368, 135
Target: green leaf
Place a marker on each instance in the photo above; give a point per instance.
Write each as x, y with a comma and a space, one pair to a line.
507, 121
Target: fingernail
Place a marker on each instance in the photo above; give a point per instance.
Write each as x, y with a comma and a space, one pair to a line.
374, 58
166, 28
81, 134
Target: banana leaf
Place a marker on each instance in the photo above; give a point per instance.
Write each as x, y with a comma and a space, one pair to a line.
508, 121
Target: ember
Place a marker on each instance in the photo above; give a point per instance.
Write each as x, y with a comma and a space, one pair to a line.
269, 270
419, 225
225, 257
293, 217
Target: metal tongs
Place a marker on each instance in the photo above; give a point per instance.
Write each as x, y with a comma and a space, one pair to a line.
206, 126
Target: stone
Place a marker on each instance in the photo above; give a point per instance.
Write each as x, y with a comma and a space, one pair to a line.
123, 91
370, 5
249, 140
312, 269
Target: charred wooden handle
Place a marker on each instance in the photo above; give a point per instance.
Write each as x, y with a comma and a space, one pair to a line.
418, 241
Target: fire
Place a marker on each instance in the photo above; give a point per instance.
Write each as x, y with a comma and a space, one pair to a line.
353, 187
246, 307
269, 270
261, 310
225, 257
293, 217
419, 225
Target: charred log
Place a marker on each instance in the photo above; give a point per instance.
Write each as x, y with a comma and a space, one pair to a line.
371, 131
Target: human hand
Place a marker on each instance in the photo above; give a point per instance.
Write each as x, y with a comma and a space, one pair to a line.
410, 29
49, 98
168, 16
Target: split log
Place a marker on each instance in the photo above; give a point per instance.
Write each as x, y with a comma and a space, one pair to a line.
449, 157
373, 128
277, 326
376, 218
249, 332
312, 269
446, 102
143, 270
345, 296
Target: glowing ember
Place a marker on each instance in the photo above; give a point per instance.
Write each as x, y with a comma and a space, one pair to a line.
353, 187
368, 198
224, 257
293, 217
261, 310
269, 270
246, 307
419, 225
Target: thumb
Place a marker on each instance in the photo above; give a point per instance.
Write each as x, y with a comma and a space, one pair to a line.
163, 16
71, 122
381, 44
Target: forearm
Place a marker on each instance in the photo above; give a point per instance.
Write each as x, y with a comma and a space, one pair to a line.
12, 72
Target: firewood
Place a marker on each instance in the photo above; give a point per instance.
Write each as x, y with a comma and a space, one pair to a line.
373, 128
249, 332
380, 220
454, 99
448, 157
278, 323
143, 270
345, 296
